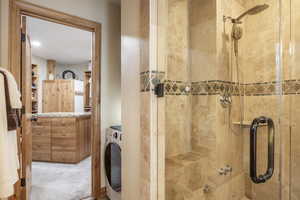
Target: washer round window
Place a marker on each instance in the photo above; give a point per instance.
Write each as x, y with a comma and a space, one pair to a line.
113, 166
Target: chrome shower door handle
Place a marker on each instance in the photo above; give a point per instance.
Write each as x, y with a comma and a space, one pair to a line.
253, 149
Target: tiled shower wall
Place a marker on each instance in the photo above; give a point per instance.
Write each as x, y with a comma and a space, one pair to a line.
178, 139
199, 135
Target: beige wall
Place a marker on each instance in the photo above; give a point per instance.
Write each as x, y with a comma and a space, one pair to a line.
202, 40
0, 32
4, 33
108, 14
131, 99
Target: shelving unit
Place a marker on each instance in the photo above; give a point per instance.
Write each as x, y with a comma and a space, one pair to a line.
34, 88
87, 91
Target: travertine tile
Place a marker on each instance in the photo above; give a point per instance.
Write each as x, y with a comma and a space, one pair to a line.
178, 119
185, 173
200, 48
177, 68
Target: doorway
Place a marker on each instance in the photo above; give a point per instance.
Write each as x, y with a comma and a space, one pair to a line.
61, 103
20, 56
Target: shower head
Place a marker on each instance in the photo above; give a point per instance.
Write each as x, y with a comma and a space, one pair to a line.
253, 11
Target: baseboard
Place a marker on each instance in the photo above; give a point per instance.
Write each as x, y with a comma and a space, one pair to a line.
103, 192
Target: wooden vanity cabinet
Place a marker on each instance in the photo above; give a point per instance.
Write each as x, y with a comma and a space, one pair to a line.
41, 140
64, 140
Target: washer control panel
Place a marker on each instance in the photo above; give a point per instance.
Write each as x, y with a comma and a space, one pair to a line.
113, 135
116, 135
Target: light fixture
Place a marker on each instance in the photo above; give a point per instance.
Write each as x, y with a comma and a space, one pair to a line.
36, 43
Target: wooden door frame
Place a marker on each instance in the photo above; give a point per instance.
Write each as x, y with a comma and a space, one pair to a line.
18, 8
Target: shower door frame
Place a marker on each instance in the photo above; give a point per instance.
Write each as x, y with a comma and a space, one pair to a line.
158, 61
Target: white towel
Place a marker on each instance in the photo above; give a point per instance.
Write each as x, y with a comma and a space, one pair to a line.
14, 93
9, 163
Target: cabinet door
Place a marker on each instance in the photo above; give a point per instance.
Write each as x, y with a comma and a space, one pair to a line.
63, 139
66, 95
58, 96
50, 96
41, 140
84, 137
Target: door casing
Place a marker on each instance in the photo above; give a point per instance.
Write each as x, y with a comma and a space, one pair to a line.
19, 8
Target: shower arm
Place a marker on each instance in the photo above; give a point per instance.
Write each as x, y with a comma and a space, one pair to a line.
232, 20
237, 20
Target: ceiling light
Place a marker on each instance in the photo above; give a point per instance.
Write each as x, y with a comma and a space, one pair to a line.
36, 43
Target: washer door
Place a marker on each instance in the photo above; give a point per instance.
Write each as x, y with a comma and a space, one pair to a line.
113, 166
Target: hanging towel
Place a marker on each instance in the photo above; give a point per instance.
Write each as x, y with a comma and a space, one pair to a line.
9, 163
14, 93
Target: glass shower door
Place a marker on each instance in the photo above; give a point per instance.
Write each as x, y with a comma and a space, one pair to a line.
222, 72
261, 63
293, 75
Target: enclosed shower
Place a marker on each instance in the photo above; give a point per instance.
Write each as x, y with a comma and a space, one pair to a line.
229, 114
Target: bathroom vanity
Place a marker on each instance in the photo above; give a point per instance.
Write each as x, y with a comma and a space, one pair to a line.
61, 137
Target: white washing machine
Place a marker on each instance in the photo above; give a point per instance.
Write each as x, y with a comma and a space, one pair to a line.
112, 162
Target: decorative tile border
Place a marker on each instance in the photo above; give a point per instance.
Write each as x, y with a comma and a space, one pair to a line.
263, 89
286, 87
177, 88
217, 87
212, 87
149, 79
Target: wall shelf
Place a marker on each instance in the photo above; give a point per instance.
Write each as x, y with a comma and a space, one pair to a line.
34, 87
87, 91
246, 124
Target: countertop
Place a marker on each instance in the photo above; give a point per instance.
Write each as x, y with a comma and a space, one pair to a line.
62, 114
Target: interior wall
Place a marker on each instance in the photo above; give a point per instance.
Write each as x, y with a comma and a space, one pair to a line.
99, 11
4, 33
78, 69
178, 126
111, 92
131, 53
262, 61
0, 33
202, 40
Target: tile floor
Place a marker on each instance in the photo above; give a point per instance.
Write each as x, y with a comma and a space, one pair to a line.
53, 181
